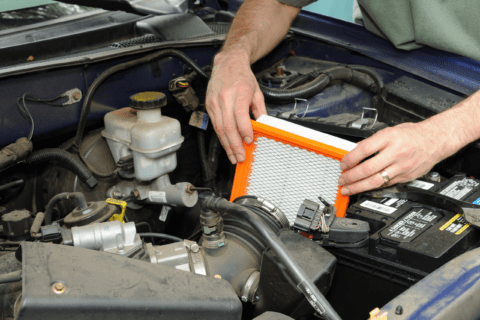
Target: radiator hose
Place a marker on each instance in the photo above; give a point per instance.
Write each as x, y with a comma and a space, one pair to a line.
304, 284
362, 77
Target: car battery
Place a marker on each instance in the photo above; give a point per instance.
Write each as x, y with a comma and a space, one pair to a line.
417, 236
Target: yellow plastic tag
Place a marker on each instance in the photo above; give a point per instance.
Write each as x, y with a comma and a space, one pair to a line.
120, 217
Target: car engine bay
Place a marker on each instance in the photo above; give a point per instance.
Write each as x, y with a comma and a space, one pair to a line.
121, 208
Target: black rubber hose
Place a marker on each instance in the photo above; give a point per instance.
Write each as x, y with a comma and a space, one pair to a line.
214, 150
363, 77
310, 290
297, 81
160, 236
278, 95
372, 73
87, 101
70, 161
78, 197
11, 277
140, 224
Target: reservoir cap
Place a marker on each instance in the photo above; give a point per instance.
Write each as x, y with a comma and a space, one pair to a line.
148, 100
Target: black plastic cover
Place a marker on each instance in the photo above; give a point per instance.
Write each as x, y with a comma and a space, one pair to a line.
175, 27
108, 286
277, 290
414, 100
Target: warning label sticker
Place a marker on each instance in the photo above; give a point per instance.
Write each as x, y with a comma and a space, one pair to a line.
460, 189
393, 202
456, 225
378, 207
421, 184
411, 225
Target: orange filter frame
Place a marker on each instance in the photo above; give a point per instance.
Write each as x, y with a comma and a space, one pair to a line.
244, 169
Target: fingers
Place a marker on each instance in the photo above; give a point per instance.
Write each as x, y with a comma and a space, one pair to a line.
217, 123
258, 104
364, 149
232, 133
367, 168
374, 181
242, 119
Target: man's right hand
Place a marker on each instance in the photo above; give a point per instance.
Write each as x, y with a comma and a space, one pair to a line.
232, 91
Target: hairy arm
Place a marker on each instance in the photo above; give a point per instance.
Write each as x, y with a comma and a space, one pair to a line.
258, 27
408, 151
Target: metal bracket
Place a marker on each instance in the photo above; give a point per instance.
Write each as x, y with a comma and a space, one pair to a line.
362, 122
74, 96
306, 110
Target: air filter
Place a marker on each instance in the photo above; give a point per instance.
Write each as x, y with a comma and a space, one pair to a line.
287, 163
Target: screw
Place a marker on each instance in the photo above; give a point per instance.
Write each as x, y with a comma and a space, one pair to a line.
244, 299
58, 288
188, 189
194, 247
76, 95
399, 310
117, 194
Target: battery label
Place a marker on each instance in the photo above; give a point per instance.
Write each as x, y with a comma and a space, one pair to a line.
459, 189
378, 207
412, 225
390, 202
456, 225
421, 184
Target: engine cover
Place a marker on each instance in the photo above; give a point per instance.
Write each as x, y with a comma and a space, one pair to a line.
95, 285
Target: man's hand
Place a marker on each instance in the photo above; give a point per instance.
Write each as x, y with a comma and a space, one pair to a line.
231, 93
409, 150
405, 152
258, 27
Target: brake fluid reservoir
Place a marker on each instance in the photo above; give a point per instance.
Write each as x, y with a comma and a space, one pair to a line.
141, 130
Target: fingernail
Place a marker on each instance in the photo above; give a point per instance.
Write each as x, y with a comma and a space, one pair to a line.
345, 192
232, 158
343, 166
240, 157
248, 140
341, 182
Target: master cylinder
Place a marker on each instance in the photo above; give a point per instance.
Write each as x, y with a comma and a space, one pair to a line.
141, 130
152, 139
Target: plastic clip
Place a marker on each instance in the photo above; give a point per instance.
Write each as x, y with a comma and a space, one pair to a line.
120, 217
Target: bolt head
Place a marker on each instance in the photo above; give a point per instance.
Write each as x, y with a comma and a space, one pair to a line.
195, 248
76, 95
58, 288
244, 299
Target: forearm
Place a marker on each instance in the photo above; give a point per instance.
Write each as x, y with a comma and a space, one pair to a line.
456, 127
258, 27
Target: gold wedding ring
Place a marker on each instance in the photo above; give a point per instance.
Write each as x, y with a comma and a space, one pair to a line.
386, 178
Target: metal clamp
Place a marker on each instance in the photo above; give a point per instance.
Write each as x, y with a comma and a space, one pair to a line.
274, 211
306, 110
120, 217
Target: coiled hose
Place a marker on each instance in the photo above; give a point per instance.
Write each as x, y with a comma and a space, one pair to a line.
363, 77
311, 292
70, 161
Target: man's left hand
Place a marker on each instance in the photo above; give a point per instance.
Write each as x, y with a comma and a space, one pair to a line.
405, 152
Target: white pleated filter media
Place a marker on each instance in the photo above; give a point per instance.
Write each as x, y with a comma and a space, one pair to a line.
287, 175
